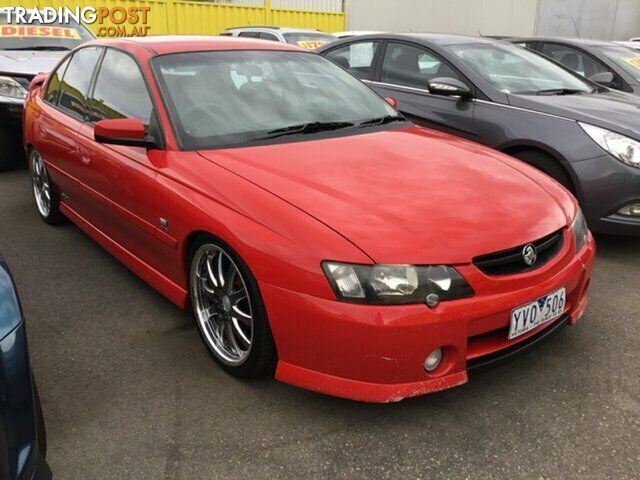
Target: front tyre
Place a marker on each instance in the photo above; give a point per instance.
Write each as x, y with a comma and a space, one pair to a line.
229, 310
44, 191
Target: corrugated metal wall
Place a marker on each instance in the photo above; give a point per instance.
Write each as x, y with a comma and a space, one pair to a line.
308, 5
206, 18
468, 17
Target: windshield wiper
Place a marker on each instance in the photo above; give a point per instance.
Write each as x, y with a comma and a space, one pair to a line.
560, 91
41, 47
304, 128
381, 120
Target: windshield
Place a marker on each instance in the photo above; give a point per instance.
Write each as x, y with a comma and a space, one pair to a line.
627, 58
42, 36
239, 97
513, 69
309, 40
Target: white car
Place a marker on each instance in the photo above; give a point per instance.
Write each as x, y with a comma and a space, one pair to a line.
635, 44
309, 39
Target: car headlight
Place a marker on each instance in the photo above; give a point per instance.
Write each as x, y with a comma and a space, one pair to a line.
11, 88
625, 149
395, 284
580, 230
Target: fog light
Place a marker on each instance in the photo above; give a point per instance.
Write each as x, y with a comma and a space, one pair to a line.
632, 210
433, 360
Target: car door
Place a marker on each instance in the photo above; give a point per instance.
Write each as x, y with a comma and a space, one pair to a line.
121, 179
404, 74
61, 118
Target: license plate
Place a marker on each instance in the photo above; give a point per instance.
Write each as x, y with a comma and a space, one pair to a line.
532, 315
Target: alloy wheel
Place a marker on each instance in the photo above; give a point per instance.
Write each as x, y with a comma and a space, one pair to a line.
41, 184
222, 304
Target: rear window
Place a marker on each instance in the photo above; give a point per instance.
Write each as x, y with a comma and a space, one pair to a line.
38, 36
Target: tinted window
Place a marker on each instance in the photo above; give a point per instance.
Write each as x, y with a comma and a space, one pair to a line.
574, 59
120, 90
248, 34
76, 80
355, 57
309, 40
413, 66
268, 36
53, 88
231, 98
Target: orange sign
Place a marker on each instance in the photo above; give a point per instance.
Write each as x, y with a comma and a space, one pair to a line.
311, 44
635, 61
39, 31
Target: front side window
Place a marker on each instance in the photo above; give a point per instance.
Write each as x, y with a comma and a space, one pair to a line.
512, 69
75, 83
414, 67
120, 90
355, 57
55, 81
37, 36
237, 98
574, 59
627, 58
268, 36
249, 34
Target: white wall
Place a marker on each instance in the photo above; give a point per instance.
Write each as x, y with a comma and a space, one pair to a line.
468, 17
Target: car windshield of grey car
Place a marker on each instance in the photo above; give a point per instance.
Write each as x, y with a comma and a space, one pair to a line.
512, 69
40, 36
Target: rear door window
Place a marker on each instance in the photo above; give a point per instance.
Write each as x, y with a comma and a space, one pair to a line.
77, 78
268, 36
358, 58
55, 81
249, 34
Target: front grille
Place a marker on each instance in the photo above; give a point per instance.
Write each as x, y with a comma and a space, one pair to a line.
510, 261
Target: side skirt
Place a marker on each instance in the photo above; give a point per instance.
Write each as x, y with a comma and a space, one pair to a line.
166, 287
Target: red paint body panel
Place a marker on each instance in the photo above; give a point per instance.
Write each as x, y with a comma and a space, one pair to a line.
407, 195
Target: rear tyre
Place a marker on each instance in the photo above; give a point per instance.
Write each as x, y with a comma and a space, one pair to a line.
229, 310
40, 428
8, 150
44, 191
548, 165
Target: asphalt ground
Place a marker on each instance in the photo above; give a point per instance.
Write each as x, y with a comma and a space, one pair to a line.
129, 391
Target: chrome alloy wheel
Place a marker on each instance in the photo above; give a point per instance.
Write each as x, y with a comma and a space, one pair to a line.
41, 184
222, 305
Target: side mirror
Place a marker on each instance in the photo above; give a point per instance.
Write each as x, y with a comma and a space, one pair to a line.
392, 101
450, 87
603, 78
123, 131
38, 80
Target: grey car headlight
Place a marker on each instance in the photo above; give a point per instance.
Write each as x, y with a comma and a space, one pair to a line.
625, 149
394, 284
580, 230
11, 88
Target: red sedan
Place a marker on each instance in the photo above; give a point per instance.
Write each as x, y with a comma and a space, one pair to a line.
311, 228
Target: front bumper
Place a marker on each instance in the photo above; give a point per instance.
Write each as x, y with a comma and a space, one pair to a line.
376, 353
606, 185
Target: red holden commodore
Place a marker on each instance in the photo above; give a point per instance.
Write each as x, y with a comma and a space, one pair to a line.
309, 226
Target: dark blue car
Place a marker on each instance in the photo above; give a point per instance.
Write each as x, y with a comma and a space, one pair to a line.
22, 433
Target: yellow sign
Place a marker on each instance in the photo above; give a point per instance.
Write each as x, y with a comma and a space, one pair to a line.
38, 31
311, 44
635, 61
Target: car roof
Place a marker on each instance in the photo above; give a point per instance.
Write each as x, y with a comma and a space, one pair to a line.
585, 42
437, 38
165, 44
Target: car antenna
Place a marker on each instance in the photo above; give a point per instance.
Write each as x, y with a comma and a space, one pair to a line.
575, 25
